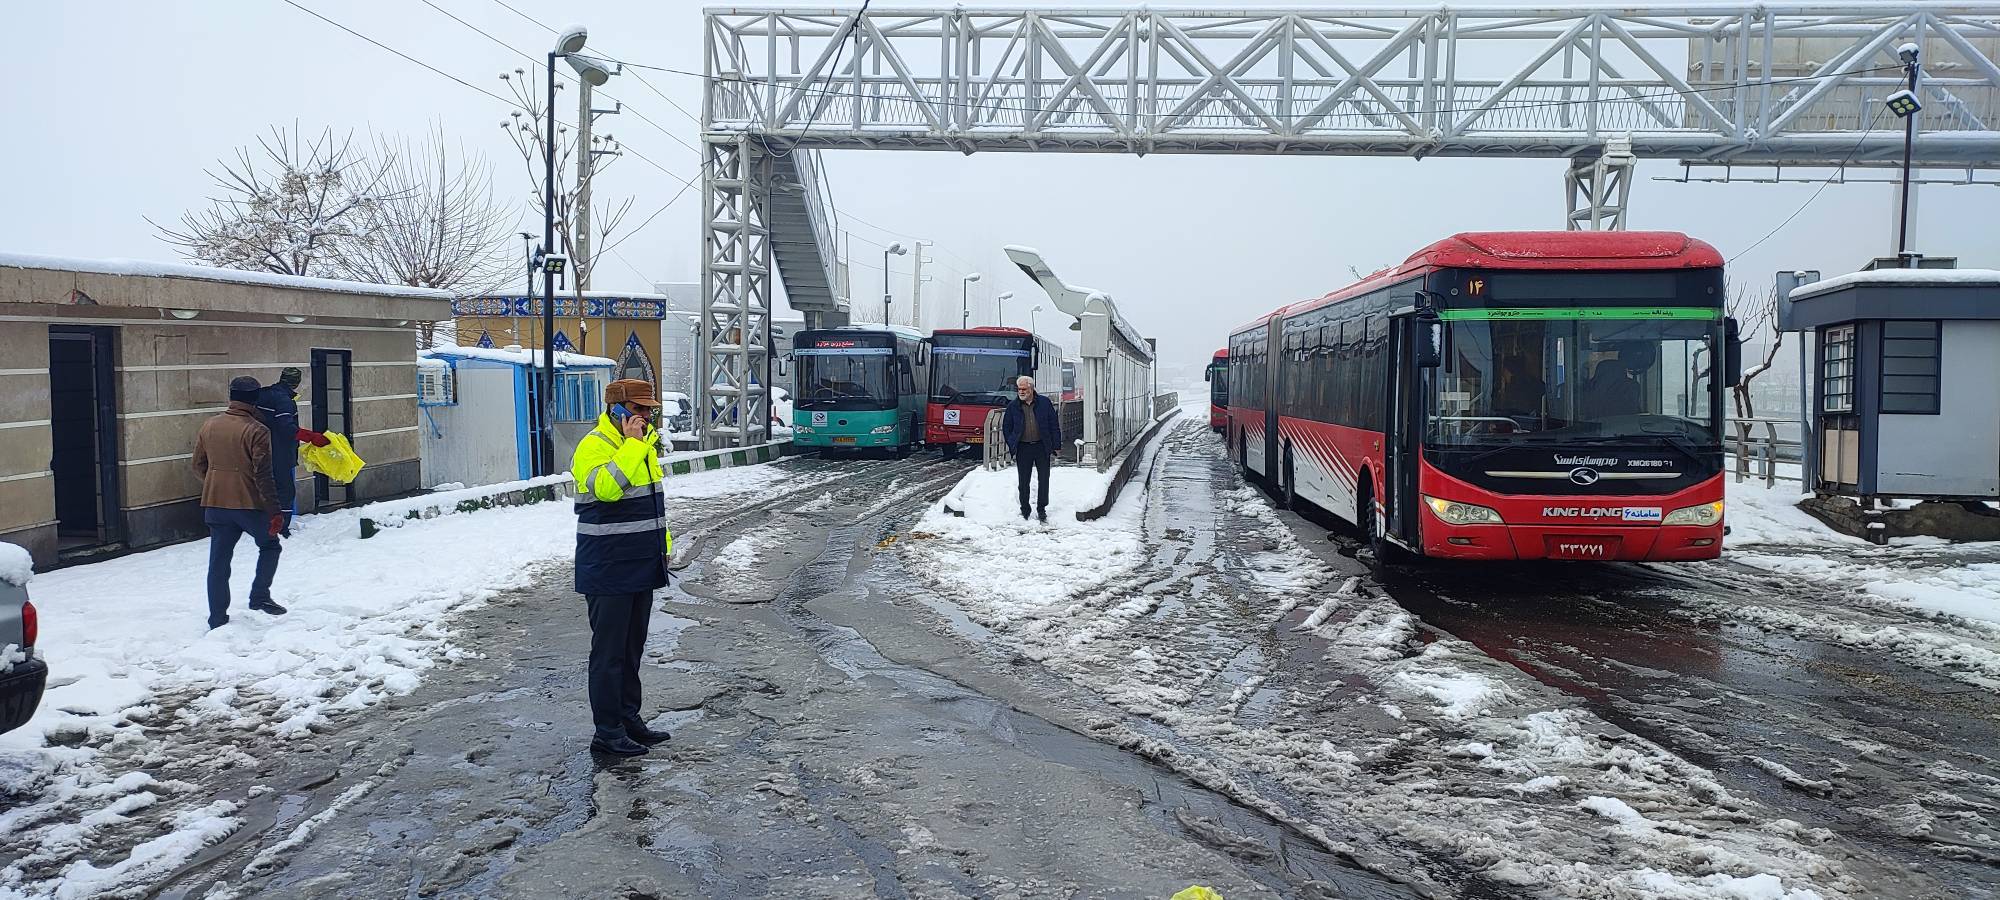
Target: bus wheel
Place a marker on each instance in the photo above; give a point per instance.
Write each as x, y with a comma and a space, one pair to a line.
1288, 488
1242, 458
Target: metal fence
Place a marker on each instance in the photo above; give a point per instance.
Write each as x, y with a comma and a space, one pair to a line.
1757, 450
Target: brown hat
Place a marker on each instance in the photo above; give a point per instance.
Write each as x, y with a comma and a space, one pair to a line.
630, 391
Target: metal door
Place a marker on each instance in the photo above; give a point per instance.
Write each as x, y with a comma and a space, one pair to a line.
333, 410
1403, 448
83, 417
1274, 347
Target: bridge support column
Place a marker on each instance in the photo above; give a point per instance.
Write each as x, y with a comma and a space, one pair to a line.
1598, 189
733, 391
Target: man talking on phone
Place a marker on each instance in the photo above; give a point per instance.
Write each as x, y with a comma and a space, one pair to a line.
622, 548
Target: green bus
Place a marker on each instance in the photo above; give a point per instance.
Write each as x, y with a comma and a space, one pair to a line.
859, 386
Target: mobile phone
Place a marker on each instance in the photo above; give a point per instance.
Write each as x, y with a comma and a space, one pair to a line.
618, 410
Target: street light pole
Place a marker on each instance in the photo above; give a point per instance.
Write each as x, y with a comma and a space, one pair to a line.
965, 301
896, 249
1031, 317
999, 307
548, 381
1909, 52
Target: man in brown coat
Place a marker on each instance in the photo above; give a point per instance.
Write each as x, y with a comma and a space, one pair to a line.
238, 497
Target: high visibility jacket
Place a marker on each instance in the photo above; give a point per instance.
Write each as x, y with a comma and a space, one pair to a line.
622, 539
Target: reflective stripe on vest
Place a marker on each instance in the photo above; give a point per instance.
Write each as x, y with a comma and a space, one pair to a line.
644, 490
620, 527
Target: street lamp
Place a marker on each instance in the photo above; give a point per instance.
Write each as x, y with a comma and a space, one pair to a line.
1905, 105
965, 302
1031, 317
999, 309
893, 249
594, 73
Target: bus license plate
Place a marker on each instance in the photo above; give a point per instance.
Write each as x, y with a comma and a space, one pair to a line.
1583, 548
843, 440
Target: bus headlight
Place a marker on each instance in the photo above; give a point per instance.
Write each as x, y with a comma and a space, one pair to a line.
1705, 514
882, 429
1456, 513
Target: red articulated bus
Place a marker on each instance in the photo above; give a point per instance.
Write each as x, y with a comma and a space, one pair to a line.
972, 374
1217, 377
1512, 395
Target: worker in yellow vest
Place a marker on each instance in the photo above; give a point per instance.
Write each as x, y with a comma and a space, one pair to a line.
622, 548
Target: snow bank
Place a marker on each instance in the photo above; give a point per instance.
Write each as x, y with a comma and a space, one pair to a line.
16, 566
1760, 515
148, 268
1019, 565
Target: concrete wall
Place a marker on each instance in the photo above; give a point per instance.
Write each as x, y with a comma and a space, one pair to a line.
173, 373
1957, 452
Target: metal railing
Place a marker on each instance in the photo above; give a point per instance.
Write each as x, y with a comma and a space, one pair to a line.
995, 456
1757, 450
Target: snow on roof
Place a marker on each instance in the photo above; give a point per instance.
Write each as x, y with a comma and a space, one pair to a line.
426, 362
588, 295
1986, 277
16, 566
518, 357
149, 269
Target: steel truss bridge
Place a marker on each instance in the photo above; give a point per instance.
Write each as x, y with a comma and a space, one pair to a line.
1771, 84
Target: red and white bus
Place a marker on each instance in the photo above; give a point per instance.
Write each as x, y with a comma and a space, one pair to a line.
1217, 377
1524, 395
972, 374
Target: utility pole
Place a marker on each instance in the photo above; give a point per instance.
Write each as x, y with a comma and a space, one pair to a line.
917, 286
1907, 109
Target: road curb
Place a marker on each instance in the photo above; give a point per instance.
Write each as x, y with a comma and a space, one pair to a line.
1125, 469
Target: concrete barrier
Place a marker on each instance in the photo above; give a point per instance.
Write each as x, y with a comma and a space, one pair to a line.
1127, 465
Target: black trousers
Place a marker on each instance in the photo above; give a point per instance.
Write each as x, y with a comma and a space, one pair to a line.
618, 625
225, 528
1031, 457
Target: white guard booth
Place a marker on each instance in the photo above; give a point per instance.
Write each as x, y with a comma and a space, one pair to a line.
477, 411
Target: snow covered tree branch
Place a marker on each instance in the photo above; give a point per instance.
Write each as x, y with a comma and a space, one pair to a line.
290, 205
436, 225
1755, 313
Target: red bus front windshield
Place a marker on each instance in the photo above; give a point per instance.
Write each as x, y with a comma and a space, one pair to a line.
1588, 370
976, 369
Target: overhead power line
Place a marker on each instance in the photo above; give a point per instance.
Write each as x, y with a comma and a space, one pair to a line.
1820, 190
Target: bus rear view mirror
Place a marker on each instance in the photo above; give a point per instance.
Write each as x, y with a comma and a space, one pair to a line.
1429, 340
1732, 352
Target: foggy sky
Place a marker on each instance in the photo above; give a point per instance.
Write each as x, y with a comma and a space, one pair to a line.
115, 109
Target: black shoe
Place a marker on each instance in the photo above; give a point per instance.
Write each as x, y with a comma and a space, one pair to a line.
214, 625
647, 736
1024, 515
624, 746
268, 606
1042, 516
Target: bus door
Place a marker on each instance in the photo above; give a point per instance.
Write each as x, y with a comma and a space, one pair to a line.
1403, 448
1274, 347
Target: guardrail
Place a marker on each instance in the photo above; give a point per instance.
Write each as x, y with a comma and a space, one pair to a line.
995, 455
1755, 444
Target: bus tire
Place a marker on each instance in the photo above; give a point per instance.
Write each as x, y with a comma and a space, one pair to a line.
1242, 458
1288, 486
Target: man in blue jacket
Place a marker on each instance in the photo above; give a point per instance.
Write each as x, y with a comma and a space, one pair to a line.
278, 407
1033, 433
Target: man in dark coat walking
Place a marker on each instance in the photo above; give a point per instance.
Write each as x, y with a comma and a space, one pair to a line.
232, 456
1033, 433
278, 406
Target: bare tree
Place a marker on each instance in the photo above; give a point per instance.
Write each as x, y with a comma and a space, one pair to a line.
1755, 313
437, 224
289, 205
528, 128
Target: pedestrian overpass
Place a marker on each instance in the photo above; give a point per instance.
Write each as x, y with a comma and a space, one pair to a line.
1601, 86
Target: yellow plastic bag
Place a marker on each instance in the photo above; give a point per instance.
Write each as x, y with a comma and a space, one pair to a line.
337, 460
1198, 892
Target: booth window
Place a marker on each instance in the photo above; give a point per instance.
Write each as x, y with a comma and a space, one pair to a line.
1910, 367
579, 396
1836, 370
